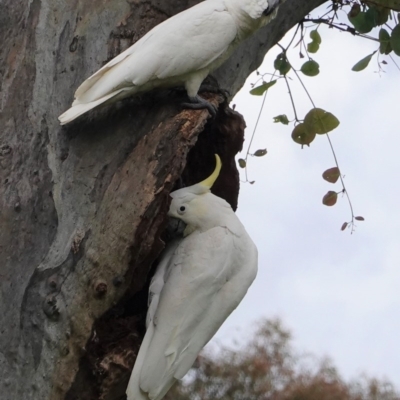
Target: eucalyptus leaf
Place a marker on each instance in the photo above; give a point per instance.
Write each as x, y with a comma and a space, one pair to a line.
242, 163
283, 119
330, 199
312, 47
282, 64
362, 64
362, 22
315, 36
355, 10
260, 90
373, 14
378, 14
302, 136
395, 39
260, 153
331, 175
384, 42
320, 121
386, 4
310, 68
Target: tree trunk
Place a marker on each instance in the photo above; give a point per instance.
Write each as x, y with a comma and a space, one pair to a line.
83, 207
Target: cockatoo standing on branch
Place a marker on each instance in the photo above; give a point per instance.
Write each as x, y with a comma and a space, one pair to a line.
182, 50
199, 281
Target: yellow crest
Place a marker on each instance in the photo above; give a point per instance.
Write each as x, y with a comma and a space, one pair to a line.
209, 182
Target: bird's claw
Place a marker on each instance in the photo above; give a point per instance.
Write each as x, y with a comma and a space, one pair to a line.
198, 103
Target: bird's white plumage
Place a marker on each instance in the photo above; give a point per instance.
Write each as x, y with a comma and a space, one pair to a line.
200, 280
182, 50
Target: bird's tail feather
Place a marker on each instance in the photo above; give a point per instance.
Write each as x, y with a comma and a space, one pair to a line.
78, 109
133, 391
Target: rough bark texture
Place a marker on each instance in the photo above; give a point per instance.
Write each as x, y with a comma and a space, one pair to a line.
83, 208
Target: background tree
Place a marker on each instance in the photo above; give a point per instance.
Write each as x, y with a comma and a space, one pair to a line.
267, 367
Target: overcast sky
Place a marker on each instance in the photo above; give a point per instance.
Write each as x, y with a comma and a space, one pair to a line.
338, 293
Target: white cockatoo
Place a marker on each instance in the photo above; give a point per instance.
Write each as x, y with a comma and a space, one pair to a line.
199, 281
182, 50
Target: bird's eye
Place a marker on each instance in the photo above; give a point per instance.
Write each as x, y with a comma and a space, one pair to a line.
181, 209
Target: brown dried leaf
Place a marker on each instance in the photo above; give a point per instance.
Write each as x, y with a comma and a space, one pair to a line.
330, 199
331, 175
359, 218
344, 226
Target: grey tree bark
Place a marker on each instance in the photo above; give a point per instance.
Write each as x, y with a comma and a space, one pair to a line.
83, 208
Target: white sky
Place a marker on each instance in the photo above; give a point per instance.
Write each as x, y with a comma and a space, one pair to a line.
338, 293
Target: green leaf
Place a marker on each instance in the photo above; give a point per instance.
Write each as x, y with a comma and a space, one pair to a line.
362, 64
260, 153
330, 199
362, 22
387, 4
312, 47
395, 39
242, 163
373, 15
331, 175
315, 36
260, 90
283, 119
384, 42
282, 64
378, 15
320, 121
302, 136
310, 68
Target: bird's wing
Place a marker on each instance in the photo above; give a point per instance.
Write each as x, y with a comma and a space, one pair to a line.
208, 277
89, 82
186, 42
158, 280
194, 40
157, 283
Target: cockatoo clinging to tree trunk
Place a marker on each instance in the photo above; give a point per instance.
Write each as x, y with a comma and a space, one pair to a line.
199, 281
182, 50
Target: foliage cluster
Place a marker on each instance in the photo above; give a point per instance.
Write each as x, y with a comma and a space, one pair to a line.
267, 368
359, 18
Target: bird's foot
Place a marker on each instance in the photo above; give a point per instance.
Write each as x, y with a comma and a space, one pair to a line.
198, 103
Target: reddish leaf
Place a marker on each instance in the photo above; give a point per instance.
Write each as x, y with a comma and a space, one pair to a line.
330, 199
359, 218
344, 226
331, 175
355, 10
